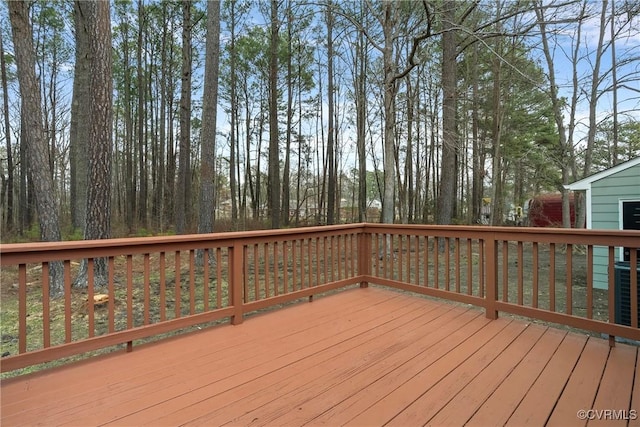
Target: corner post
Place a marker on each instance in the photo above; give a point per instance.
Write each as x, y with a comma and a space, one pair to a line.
364, 256
236, 280
491, 296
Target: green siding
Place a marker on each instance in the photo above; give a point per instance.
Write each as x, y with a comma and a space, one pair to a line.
606, 194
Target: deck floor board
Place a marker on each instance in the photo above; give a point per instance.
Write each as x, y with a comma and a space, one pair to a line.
359, 357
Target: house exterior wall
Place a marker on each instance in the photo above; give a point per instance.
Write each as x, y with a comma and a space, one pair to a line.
606, 197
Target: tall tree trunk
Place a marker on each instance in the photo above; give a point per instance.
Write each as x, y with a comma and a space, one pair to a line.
361, 112
98, 224
274, 154
79, 126
408, 164
447, 192
477, 185
235, 122
209, 113
129, 146
183, 192
286, 171
163, 187
497, 199
557, 104
7, 128
388, 198
614, 86
34, 134
331, 162
142, 137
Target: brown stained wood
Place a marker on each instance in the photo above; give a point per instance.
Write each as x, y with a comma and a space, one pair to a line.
436, 263
447, 263
505, 271
67, 301
323, 373
90, 299
266, 272
22, 308
338, 395
569, 280
538, 403
335, 258
496, 410
112, 294
583, 384
417, 260
535, 279
426, 261
325, 262
130, 291
396, 399
481, 269
376, 253
192, 281
256, 276
469, 267
611, 287
302, 264
147, 288
206, 280
245, 277
430, 400
294, 264
245, 377
520, 273
317, 260
285, 264
552, 277
162, 265
384, 255
616, 386
491, 277
72, 384
177, 273
276, 269
635, 395
469, 399
219, 280
589, 283
440, 345
400, 268
46, 307
457, 264
310, 263
360, 357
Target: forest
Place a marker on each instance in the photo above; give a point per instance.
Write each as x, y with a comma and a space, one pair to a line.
144, 117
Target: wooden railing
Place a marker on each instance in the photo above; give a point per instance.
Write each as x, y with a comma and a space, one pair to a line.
156, 285
542, 273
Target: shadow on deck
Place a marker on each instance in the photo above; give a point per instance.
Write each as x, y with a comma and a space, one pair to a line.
360, 357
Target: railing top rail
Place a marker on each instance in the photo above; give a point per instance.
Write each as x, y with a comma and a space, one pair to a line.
50, 251
14, 253
501, 229
539, 234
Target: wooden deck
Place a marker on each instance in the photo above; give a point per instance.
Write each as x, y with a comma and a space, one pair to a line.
361, 357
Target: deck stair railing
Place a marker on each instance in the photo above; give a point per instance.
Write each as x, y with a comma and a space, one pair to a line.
136, 288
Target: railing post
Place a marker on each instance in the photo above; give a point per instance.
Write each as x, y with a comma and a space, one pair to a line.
364, 256
491, 295
236, 281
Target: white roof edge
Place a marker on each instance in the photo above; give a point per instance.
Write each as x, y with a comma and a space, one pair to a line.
585, 183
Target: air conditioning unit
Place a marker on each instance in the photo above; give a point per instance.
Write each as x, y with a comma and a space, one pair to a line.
623, 293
